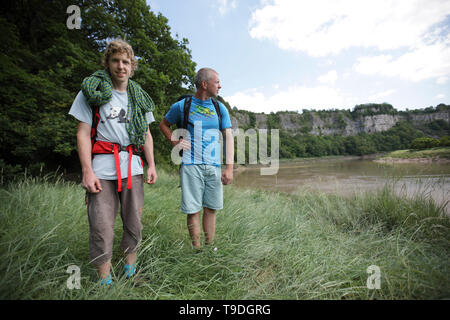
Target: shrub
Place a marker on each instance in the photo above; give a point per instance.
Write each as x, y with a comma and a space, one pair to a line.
424, 143
444, 141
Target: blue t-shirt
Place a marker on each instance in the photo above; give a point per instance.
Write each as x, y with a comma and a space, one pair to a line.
203, 128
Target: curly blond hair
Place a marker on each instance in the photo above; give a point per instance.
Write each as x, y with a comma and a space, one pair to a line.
119, 46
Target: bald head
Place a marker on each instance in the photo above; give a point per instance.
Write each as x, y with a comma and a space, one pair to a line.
204, 74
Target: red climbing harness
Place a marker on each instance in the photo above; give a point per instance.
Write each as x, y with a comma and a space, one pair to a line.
104, 147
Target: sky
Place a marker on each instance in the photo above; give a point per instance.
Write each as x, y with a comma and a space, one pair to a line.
290, 55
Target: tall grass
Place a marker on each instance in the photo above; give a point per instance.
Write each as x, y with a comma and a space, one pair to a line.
270, 246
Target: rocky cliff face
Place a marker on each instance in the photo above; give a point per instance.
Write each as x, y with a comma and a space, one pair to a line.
334, 123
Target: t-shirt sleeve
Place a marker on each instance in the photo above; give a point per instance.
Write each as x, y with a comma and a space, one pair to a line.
226, 121
150, 117
81, 110
173, 116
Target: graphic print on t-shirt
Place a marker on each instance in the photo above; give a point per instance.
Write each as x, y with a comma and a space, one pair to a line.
117, 112
203, 110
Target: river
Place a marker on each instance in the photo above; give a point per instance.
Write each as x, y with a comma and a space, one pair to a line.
346, 176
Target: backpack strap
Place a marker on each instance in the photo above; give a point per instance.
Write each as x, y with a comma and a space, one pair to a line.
186, 111
219, 114
187, 108
94, 125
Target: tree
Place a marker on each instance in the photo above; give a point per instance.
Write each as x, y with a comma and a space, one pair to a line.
43, 64
424, 143
444, 141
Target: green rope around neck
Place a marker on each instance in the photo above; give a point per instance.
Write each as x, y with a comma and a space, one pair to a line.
98, 90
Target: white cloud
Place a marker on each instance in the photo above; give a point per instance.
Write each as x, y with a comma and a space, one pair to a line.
440, 96
378, 97
424, 62
226, 5
346, 75
294, 98
405, 39
324, 27
329, 78
442, 80
251, 100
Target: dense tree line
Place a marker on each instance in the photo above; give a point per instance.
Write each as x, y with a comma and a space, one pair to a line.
402, 136
307, 145
44, 62
428, 143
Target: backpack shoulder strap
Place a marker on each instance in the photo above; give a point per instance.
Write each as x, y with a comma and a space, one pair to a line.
186, 110
94, 125
219, 114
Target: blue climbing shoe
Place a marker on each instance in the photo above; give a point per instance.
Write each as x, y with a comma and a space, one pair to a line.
106, 282
129, 270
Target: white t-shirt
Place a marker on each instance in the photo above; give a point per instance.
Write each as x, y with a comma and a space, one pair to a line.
111, 128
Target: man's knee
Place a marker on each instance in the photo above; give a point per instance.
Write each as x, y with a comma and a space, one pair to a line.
193, 217
209, 211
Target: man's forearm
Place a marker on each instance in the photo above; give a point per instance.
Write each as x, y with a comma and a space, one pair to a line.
164, 126
84, 147
89, 180
148, 149
229, 139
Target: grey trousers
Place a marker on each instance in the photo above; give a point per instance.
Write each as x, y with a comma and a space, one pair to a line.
102, 211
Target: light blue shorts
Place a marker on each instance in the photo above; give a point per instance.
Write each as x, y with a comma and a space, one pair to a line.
201, 186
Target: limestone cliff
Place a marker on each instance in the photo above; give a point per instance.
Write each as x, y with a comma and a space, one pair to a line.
337, 122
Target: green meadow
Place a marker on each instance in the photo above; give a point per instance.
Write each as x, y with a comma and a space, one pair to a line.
270, 246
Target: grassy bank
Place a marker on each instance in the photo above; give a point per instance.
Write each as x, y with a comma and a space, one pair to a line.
440, 152
270, 246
